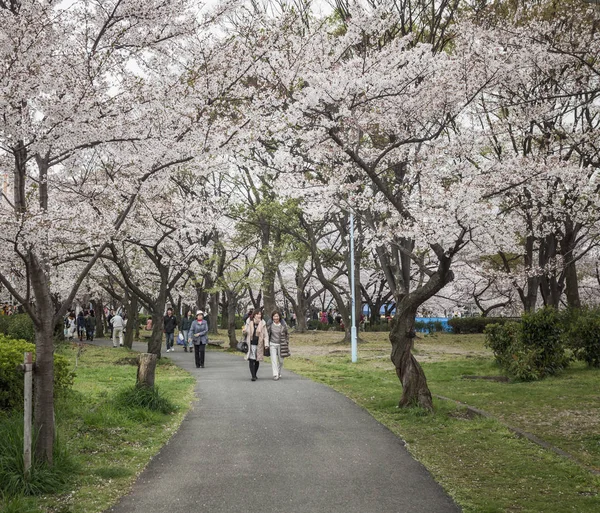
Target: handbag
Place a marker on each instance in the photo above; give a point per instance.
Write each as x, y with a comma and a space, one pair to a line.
180, 340
267, 351
242, 346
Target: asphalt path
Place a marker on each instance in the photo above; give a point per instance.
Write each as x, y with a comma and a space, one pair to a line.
287, 446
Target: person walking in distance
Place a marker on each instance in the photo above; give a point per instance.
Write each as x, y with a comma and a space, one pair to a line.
198, 335
117, 325
81, 325
184, 329
170, 323
257, 339
278, 343
90, 325
109, 317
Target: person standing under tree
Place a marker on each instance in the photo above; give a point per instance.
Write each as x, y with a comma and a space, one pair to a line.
198, 335
170, 323
257, 339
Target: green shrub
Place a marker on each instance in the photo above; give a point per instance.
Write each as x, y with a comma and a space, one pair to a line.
542, 334
531, 349
18, 326
582, 334
144, 397
41, 478
470, 325
11, 377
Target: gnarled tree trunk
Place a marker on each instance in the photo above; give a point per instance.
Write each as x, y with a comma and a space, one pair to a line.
415, 391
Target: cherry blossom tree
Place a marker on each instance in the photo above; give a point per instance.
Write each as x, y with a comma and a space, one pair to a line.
364, 112
89, 116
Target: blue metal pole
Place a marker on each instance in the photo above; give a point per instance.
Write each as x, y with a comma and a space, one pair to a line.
353, 329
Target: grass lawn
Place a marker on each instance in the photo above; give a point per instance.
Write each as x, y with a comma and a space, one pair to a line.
111, 444
478, 461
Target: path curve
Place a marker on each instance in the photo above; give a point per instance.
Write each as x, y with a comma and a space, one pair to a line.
291, 446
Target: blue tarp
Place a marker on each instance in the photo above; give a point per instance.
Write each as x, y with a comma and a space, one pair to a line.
443, 320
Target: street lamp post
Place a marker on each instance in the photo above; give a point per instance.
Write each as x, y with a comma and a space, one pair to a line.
352, 285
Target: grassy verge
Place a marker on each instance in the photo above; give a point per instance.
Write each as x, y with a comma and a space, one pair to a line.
478, 461
108, 438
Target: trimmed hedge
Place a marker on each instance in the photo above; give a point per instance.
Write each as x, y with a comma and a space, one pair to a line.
18, 326
11, 377
581, 333
470, 325
531, 349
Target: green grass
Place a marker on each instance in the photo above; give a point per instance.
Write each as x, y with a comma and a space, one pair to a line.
110, 439
478, 461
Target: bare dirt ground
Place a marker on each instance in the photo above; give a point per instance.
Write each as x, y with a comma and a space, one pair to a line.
376, 346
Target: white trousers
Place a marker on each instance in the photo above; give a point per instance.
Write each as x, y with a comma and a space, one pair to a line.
117, 332
276, 359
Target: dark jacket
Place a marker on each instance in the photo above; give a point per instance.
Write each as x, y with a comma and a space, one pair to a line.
90, 323
170, 323
81, 321
186, 323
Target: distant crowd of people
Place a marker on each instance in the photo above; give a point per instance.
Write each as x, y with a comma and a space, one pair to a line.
83, 324
8, 309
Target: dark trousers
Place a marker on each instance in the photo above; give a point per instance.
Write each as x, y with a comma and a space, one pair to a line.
199, 351
253, 364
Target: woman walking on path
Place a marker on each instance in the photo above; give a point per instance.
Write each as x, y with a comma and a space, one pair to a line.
279, 343
81, 325
198, 335
257, 339
184, 328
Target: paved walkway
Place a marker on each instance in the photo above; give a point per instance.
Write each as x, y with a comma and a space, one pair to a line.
288, 446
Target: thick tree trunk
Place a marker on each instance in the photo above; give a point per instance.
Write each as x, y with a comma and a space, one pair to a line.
231, 302
146, 370
301, 325
213, 327
415, 391
572, 286
268, 288
132, 320
567, 250
44, 362
224, 312
44, 391
155, 342
99, 314
201, 297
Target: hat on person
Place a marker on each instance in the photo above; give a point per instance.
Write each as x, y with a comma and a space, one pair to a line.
199, 312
